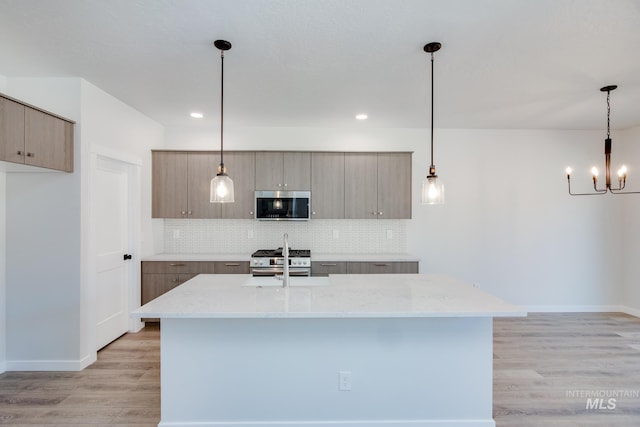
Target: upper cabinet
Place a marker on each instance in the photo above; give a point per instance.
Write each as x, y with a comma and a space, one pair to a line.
342, 185
181, 180
377, 185
327, 185
241, 167
33, 137
286, 171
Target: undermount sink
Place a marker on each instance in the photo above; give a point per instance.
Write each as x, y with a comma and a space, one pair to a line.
294, 282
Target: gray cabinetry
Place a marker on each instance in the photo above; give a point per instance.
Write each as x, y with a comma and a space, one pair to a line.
276, 170
241, 166
159, 277
377, 185
327, 185
394, 267
324, 268
180, 184
319, 268
33, 137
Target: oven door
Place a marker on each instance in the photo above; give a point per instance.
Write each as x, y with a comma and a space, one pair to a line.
273, 271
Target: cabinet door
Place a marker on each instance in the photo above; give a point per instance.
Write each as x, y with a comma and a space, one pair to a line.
242, 169
269, 168
11, 131
201, 169
394, 185
297, 171
360, 185
327, 185
232, 267
320, 268
48, 141
169, 184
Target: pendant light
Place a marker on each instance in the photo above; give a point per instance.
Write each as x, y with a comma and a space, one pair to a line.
221, 189
432, 187
622, 172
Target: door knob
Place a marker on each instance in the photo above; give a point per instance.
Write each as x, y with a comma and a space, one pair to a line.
127, 256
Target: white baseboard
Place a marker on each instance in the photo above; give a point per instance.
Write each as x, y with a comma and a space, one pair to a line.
582, 309
3, 367
50, 365
337, 423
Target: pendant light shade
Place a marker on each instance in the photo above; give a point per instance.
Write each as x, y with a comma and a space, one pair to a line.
221, 187
432, 186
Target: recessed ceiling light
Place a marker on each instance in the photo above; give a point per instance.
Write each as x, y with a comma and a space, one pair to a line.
197, 115
361, 117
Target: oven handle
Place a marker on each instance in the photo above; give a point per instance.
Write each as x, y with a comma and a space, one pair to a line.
275, 271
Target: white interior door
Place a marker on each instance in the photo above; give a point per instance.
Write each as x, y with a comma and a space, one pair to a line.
112, 222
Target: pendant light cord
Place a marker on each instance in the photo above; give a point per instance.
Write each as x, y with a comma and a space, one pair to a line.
432, 165
222, 111
608, 115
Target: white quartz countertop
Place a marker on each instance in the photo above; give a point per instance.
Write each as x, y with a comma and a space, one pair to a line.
321, 257
338, 296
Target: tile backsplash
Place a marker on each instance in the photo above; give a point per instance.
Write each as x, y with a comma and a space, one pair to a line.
321, 236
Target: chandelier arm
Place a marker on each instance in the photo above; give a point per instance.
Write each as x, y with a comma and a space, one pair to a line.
597, 193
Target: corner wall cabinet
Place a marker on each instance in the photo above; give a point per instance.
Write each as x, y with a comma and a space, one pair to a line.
34, 137
343, 185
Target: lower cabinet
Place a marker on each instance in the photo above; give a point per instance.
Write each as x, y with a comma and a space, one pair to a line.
159, 277
319, 268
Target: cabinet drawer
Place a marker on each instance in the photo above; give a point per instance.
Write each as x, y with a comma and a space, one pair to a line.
154, 285
319, 268
382, 267
231, 267
171, 267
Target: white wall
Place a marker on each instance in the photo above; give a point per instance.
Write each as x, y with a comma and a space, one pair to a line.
44, 246
627, 150
48, 295
3, 197
508, 224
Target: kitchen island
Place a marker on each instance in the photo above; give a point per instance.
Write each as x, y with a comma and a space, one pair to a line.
348, 350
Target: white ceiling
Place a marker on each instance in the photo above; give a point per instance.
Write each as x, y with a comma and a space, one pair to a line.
503, 64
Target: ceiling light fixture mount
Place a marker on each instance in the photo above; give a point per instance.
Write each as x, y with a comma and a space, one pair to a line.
221, 188
432, 188
622, 172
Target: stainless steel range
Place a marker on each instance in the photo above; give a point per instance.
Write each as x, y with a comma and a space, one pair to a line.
270, 262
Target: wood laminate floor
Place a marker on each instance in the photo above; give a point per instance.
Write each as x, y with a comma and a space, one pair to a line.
546, 367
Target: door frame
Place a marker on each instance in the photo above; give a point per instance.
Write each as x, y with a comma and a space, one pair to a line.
133, 166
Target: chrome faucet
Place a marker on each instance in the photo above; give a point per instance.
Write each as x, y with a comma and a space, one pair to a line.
285, 267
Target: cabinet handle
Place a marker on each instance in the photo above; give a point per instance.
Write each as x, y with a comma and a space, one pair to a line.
380, 213
285, 184
279, 185
251, 213
381, 264
183, 212
20, 153
232, 265
174, 280
374, 213
188, 212
177, 265
313, 213
30, 154
329, 265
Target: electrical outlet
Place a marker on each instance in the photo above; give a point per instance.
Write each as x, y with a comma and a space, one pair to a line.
344, 383
336, 234
176, 234
249, 234
389, 234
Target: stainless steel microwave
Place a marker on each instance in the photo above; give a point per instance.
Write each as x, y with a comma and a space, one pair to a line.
283, 205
